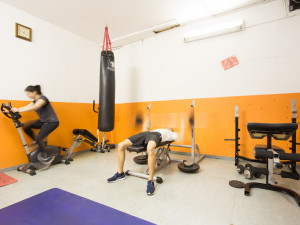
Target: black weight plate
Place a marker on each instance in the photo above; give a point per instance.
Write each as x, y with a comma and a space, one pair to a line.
236, 184
190, 169
257, 175
248, 166
240, 169
141, 159
188, 164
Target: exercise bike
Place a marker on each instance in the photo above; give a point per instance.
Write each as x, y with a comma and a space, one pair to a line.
38, 159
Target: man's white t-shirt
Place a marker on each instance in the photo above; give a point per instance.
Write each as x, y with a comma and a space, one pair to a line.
166, 135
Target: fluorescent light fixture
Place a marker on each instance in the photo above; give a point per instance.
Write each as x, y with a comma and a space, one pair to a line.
165, 26
143, 34
215, 31
212, 12
241, 6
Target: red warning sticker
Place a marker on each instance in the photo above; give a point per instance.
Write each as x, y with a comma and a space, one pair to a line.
229, 62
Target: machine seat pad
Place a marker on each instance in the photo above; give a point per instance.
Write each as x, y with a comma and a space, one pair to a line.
143, 148
279, 131
85, 133
261, 151
264, 148
263, 154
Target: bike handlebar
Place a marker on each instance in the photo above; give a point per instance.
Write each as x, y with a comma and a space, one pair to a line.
10, 114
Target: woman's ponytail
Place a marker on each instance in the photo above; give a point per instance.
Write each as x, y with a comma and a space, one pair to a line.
36, 88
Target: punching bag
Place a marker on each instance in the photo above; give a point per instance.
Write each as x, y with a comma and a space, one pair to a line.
106, 118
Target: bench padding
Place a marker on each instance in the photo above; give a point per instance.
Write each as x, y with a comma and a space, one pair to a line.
143, 148
264, 147
85, 133
282, 155
279, 131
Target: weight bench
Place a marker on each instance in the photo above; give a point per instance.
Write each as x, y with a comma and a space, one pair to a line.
278, 131
162, 157
83, 135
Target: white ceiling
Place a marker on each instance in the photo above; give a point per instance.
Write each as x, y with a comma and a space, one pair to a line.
88, 18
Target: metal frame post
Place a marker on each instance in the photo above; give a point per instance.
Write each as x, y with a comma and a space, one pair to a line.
23, 139
237, 135
103, 140
148, 117
294, 136
193, 132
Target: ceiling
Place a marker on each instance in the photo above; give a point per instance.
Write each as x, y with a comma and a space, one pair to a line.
88, 18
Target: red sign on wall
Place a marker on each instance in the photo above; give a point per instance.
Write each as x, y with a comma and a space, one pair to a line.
229, 62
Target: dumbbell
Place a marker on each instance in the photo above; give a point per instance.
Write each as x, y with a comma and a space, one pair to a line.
248, 170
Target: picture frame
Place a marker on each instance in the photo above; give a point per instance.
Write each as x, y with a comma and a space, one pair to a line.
23, 32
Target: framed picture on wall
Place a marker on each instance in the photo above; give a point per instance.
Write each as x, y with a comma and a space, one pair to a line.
23, 32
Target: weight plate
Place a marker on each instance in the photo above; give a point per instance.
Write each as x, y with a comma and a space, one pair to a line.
240, 169
141, 159
188, 169
188, 164
236, 184
248, 173
257, 175
248, 166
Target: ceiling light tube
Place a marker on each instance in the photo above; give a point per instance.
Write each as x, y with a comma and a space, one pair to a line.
214, 31
239, 7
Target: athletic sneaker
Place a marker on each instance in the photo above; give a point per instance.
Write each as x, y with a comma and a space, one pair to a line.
116, 177
150, 188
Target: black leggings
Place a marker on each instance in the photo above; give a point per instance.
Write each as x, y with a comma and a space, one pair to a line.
45, 129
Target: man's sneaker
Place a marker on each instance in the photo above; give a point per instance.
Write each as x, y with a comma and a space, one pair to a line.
116, 177
150, 188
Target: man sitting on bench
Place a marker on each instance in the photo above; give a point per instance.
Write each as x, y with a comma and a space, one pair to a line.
149, 138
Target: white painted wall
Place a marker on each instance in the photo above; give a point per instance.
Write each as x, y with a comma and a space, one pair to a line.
66, 65
159, 68
164, 67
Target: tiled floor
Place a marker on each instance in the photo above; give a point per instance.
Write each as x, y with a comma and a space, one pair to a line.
183, 199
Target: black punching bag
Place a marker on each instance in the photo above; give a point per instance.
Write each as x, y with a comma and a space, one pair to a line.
106, 118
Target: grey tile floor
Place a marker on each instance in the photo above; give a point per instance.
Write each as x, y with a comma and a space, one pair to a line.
183, 199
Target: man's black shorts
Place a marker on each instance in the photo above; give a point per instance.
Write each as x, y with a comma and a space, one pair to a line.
144, 137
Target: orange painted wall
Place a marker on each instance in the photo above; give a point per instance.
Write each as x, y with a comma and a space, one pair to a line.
214, 122
71, 115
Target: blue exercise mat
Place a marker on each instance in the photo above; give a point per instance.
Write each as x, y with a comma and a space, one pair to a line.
58, 207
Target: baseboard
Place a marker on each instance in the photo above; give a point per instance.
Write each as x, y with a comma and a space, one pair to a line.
171, 152
207, 156
212, 156
15, 167
11, 168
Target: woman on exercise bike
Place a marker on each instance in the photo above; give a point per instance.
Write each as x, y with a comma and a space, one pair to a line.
47, 121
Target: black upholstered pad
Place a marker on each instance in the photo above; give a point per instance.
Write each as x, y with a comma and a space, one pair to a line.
279, 131
282, 155
263, 153
137, 148
85, 133
264, 147
143, 148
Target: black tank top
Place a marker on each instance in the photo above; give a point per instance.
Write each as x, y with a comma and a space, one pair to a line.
46, 112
